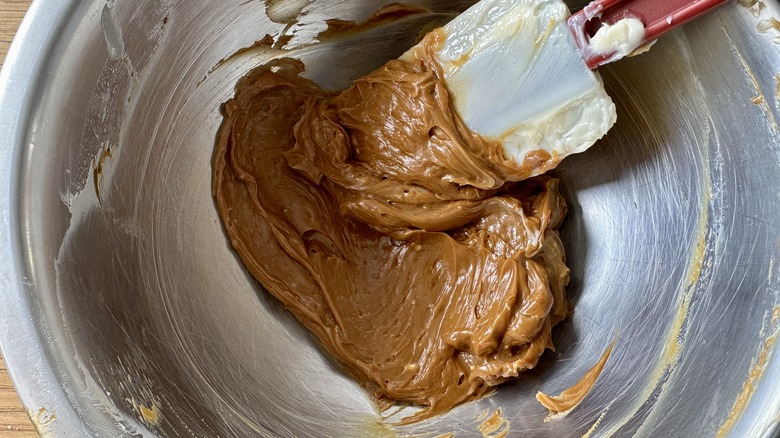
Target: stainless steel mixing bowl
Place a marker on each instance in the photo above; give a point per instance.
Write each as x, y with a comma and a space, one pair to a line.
125, 312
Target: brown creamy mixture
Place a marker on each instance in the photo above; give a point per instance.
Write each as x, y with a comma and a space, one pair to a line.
400, 238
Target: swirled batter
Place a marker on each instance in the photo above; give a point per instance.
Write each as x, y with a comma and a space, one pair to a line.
401, 239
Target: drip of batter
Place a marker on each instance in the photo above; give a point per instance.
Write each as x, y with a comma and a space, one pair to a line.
401, 239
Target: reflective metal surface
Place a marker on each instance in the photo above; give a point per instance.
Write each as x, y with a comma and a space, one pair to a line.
125, 312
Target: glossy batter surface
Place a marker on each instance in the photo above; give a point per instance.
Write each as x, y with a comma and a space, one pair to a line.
391, 231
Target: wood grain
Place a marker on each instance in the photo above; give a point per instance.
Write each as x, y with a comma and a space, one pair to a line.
11, 13
14, 422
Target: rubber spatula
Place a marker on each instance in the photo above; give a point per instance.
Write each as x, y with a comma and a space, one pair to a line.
521, 71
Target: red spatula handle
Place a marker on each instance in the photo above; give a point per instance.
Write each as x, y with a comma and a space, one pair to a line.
658, 17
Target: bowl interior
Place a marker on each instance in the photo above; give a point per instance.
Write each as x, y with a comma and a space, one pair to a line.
156, 328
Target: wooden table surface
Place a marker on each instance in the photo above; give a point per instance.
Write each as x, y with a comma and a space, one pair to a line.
14, 422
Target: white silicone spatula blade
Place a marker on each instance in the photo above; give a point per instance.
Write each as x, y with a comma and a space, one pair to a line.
516, 75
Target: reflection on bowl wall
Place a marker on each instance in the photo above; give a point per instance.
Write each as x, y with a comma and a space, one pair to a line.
128, 312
